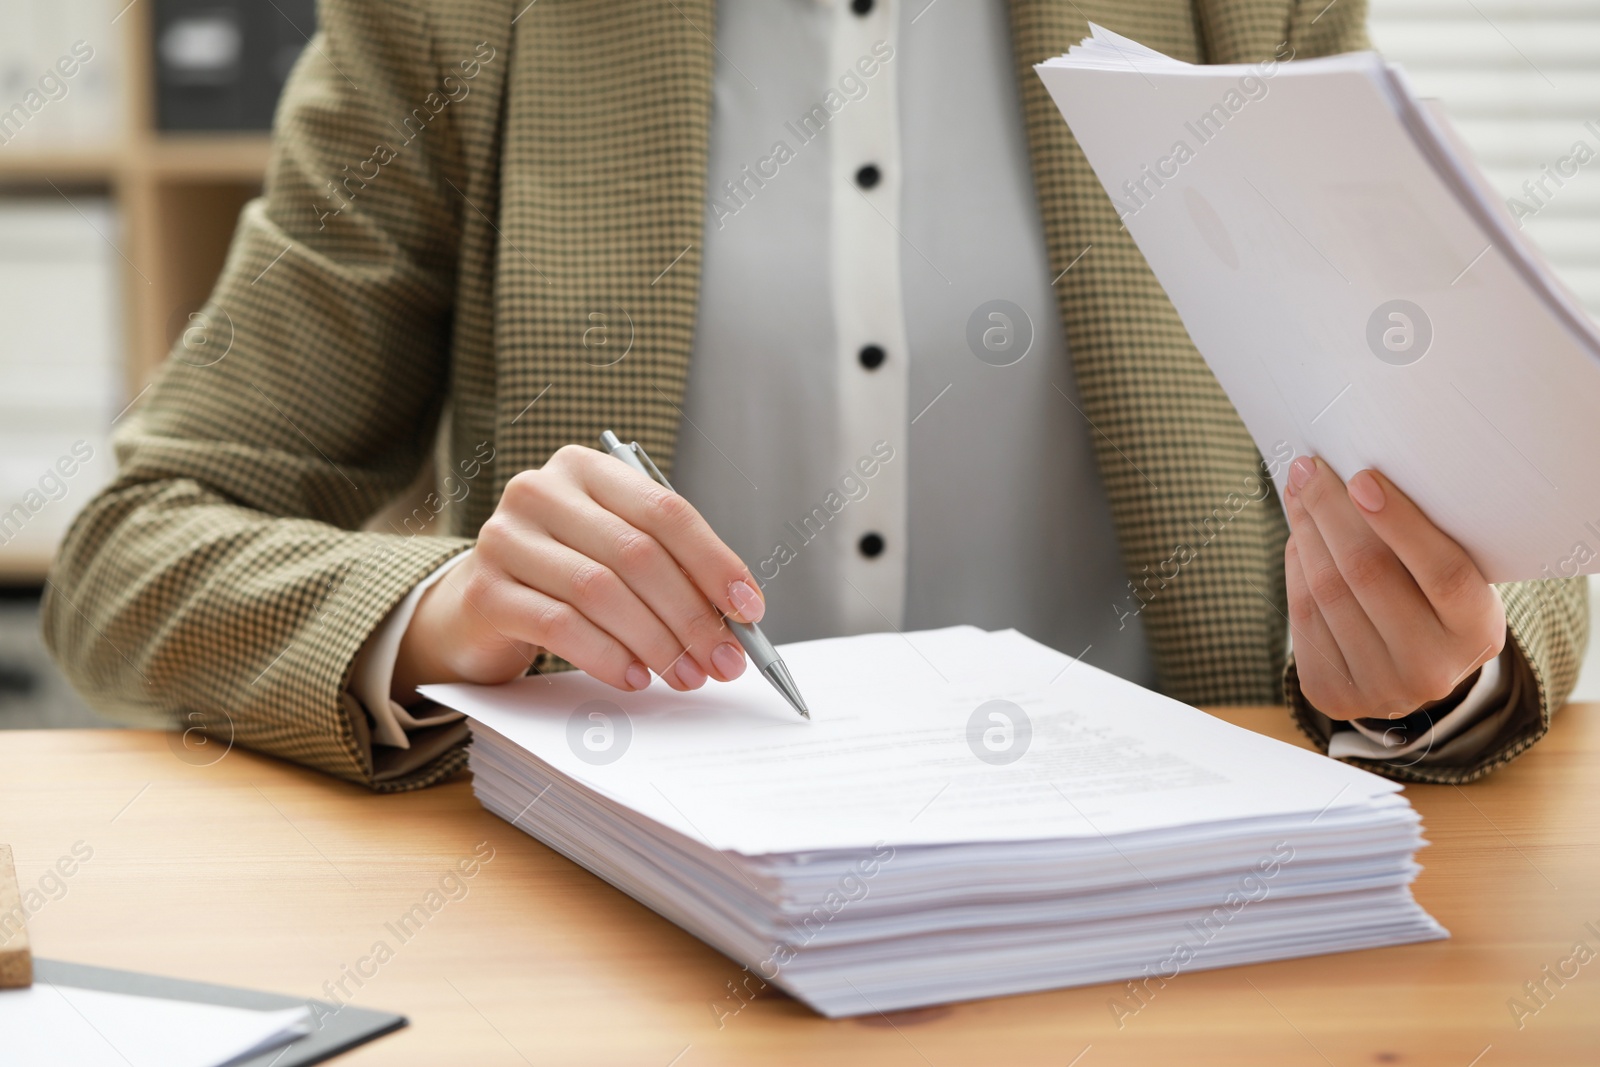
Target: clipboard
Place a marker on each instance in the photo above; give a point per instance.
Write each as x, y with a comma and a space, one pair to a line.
339, 1029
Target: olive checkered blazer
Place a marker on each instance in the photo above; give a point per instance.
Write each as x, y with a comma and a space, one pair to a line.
455, 185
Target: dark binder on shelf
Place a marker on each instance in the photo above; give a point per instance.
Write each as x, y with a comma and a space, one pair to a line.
221, 64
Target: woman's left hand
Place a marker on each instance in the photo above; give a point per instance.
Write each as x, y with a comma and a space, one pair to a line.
1388, 613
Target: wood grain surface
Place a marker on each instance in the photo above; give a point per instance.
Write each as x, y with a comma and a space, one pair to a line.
223, 866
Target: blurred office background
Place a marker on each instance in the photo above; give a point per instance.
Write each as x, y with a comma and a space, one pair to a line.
132, 132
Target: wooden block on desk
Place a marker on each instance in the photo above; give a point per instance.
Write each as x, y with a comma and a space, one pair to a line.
16, 961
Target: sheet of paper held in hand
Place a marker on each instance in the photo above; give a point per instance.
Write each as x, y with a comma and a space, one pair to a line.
903, 749
1356, 287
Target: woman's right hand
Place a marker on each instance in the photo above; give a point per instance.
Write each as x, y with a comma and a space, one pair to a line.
592, 561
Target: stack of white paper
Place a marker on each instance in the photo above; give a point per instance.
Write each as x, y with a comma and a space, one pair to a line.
1356, 286
968, 814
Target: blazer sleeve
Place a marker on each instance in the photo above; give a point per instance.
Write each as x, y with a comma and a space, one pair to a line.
222, 581
1547, 622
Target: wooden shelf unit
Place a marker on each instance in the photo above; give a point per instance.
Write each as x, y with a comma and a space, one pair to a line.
177, 197
170, 190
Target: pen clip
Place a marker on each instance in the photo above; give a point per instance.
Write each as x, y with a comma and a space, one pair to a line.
650, 465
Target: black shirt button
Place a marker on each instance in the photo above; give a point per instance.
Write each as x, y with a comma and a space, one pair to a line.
871, 356
871, 545
861, 7
868, 176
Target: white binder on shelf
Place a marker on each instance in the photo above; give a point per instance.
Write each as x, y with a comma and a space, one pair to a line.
60, 366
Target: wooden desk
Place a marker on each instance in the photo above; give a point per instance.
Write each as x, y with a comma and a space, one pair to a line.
256, 873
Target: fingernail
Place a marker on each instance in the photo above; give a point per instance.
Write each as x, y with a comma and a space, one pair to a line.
637, 676
1300, 472
746, 601
689, 673
1367, 491
728, 660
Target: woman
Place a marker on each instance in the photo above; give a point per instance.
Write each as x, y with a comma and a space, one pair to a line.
807, 250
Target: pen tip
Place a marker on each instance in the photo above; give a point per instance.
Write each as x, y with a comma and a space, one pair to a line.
778, 675
796, 701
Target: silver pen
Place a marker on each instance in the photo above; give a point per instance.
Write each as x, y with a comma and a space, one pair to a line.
761, 652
